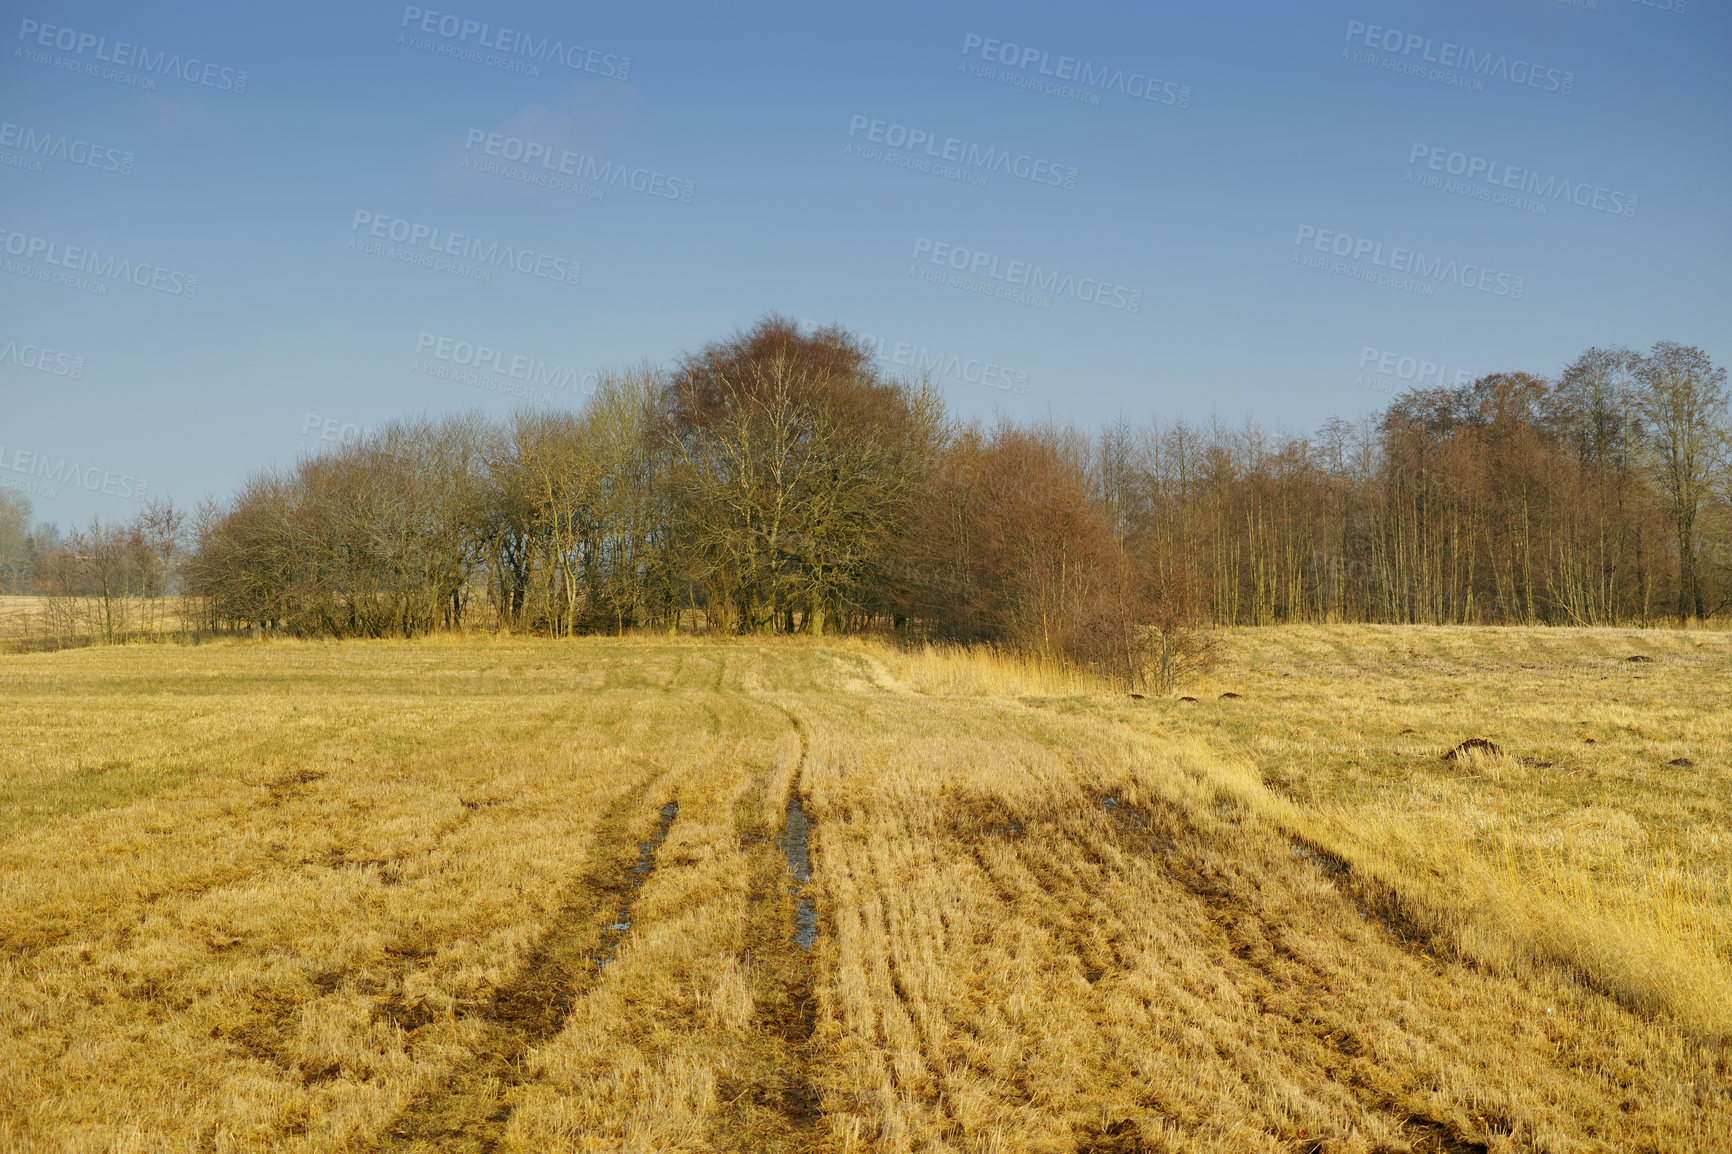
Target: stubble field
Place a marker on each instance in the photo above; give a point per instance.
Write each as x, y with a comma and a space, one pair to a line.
647, 894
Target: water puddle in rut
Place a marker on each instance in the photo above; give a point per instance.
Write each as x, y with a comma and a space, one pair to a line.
794, 843
646, 864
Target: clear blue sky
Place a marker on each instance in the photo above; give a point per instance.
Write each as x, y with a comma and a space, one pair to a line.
1279, 137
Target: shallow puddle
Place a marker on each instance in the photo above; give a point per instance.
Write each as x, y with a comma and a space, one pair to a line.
646, 864
794, 845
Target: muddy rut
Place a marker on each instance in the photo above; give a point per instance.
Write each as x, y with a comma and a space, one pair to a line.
1285, 980
1082, 878
770, 1101
471, 1107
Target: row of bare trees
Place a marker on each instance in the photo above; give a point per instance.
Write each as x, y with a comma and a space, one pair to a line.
111, 581
773, 482
1603, 496
375, 538
777, 481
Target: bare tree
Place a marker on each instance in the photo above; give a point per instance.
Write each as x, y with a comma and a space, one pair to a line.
15, 552
100, 563
797, 465
161, 530
1684, 400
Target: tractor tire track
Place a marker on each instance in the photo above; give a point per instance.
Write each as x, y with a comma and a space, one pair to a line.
773, 1103
469, 1109
1301, 992
1050, 871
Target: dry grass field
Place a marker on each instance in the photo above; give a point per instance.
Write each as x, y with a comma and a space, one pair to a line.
644, 894
30, 622
16, 616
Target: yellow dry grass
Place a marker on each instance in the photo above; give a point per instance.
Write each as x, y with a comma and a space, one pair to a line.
17, 615
38, 622
473, 894
1596, 839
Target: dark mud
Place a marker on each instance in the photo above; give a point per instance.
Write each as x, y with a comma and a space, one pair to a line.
795, 844
646, 858
470, 1108
773, 1104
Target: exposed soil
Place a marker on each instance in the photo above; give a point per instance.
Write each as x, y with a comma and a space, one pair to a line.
470, 1108
773, 1104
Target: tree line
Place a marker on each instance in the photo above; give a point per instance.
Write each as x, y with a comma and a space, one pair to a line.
779, 481
773, 482
110, 581
1603, 496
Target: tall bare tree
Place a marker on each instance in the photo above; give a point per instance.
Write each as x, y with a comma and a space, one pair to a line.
1684, 400
798, 464
16, 560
